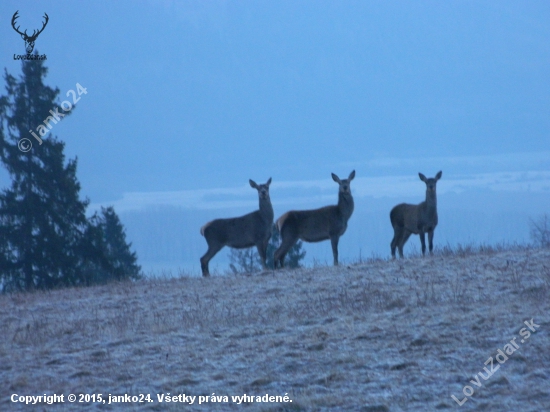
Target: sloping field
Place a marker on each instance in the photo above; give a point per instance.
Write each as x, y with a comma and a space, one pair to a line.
374, 336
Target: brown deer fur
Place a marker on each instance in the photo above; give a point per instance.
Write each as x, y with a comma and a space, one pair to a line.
329, 222
407, 219
253, 229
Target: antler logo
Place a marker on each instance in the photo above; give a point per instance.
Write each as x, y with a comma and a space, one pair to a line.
29, 40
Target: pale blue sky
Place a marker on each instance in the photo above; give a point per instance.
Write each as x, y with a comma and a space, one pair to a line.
200, 95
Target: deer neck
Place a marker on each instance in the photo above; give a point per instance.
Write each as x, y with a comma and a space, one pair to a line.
345, 204
431, 201
266, 209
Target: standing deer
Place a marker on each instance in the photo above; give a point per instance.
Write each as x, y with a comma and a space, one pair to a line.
253, 229
419, 219
329, 222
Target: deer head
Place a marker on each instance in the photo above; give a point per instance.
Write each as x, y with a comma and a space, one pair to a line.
263, 190
431, 182
345, 183
29, 40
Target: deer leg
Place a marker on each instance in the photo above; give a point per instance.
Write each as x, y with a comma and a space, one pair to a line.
334, 243
288, 238
210, 253
404, 237
423, 242
279, 257
262, 251
280, 253
431, 241
397, 233
276, 262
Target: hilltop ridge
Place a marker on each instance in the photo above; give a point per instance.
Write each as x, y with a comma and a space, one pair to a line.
379, 335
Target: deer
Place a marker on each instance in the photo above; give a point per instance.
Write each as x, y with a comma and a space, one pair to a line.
420, 219
329, 222
29, 40
252, 229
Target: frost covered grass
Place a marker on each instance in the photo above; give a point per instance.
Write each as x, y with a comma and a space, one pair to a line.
375, 335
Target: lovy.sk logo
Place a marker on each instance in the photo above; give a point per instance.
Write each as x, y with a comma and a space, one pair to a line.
29, 40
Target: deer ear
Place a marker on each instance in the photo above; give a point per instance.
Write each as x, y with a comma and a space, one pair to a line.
422, 177
438, 175
335, 178
253, 183
268, 182
351, 175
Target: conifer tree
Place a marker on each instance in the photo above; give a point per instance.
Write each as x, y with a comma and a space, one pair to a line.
106, 239
45, 239
41, 215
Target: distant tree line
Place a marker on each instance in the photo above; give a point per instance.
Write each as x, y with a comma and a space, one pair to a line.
46, 240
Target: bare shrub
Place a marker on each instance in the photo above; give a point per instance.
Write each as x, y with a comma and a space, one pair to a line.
244, 261
540, 231
425, 293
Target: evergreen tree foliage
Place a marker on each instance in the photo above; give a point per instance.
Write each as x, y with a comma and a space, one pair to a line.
109, 237
44, 233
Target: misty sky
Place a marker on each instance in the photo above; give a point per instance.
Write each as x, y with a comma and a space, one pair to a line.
190, 96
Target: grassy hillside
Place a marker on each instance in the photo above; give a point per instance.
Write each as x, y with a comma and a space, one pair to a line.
374, 336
